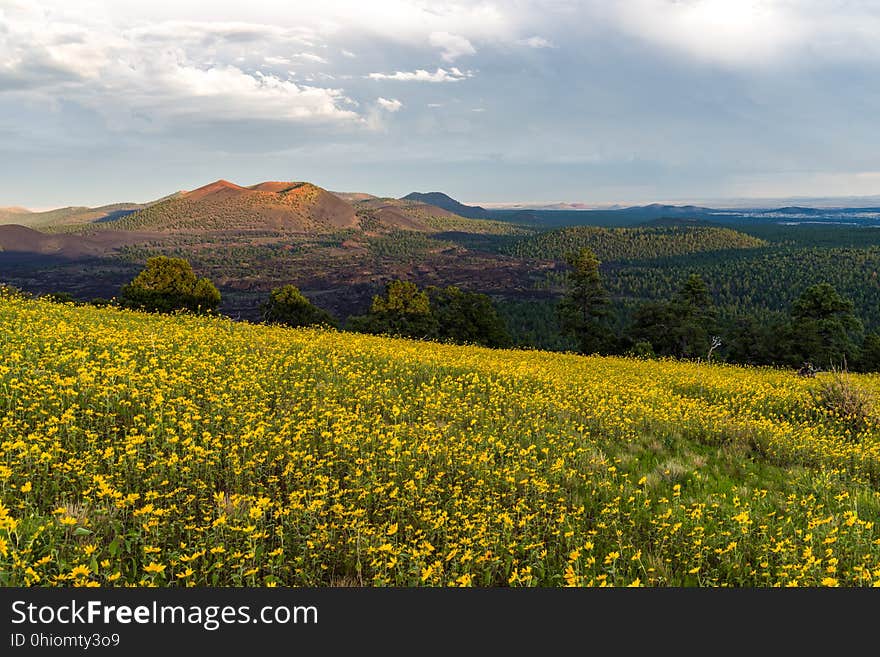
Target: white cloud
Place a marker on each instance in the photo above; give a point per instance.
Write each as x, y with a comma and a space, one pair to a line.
222, 93
389, 104
453, 45
348, 53
309, 57
149, 75
536, 42
421, 75
728, 31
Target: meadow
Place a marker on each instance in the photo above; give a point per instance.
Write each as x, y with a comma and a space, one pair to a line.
188, 451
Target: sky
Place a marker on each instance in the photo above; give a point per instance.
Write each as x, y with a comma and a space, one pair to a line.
516, 101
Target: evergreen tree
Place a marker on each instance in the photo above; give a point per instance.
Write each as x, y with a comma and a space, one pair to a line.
169, 284
584, 310
467, 317
870, 357
758, 340
824, 329
682, 327
403, 310
696, 318
287, 305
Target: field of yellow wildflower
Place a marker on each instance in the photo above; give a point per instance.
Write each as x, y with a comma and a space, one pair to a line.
190, 451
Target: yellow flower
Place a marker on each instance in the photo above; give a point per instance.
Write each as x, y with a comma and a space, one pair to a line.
26, 487
80, 571
154, 568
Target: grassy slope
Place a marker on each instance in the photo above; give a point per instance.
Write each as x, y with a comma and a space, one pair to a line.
143, 449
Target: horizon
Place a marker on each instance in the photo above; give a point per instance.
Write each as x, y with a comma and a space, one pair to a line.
731, 203
639, 102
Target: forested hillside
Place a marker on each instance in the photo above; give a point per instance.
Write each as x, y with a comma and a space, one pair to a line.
630, 243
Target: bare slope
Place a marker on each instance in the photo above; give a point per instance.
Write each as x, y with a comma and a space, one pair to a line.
21, 239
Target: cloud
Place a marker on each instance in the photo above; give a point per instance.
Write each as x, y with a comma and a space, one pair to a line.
536, 42
453, 45
230, 93
207, 33
309, 57
727, 31
389, 104
421, 75
348, 53
146, 76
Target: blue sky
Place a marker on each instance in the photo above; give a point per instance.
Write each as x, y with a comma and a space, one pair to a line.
592, 101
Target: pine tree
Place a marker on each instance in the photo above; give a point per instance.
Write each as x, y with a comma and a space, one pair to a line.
169, 284
585, 308
287, 305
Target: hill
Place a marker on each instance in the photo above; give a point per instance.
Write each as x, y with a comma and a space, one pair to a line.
378, 213
441, 200
68, 216
685, 222
351, 197
250, 455
612, 244
21, 239
268, 206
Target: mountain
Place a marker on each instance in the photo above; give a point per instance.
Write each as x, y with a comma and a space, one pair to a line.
67, 216
223, 205
446, 202
660, 210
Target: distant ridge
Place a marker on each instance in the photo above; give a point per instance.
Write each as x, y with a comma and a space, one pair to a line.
441, 200
67, 216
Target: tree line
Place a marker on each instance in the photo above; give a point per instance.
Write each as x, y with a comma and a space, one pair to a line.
447, 314
819, 328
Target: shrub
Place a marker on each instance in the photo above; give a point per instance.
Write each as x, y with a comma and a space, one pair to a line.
10, 292
839, 396
287, 305
59, 297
